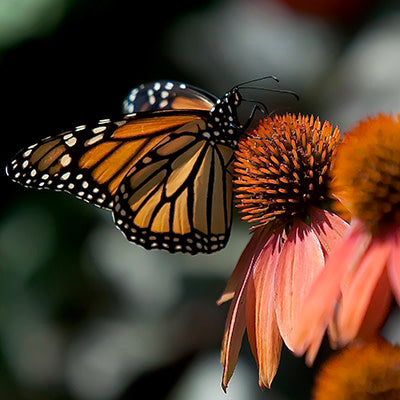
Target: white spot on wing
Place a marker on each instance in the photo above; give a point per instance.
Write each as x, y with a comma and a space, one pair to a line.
65, 176
71, 142
65, 160
122, 123
99, 129
163, 103
94, 139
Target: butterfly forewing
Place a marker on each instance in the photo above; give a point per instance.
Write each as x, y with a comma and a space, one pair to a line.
167, 95
91, 161
54, 163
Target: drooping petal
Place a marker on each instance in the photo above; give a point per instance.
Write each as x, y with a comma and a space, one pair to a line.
299, 262
236, 320
332, 331
251, 316
319, 305
328, 227
378, 309
312, 350
262, 328
393, 266
358, 293
250, 252
234, 330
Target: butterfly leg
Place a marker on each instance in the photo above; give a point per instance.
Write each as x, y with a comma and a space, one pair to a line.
258, 106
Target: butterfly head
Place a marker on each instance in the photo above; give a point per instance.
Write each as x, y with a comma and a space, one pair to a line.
233, 97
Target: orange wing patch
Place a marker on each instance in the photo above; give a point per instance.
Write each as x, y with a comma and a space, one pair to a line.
185, 103
152, 125
97, 153
41, 151
181, 222
161, 222
182, 166
111, 160
141, 196
52, 160
200, 193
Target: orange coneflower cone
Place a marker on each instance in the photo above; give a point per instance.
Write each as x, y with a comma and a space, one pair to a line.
356, 287
363, 371
282, 175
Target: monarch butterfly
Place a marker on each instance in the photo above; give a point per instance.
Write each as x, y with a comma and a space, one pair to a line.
164, 170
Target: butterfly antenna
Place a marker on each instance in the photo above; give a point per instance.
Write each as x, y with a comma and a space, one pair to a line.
257, 80
274, 90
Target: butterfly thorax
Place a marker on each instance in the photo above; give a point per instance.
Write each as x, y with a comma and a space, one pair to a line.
224, 126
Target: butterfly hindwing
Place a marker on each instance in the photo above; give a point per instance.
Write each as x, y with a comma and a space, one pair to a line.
178, 197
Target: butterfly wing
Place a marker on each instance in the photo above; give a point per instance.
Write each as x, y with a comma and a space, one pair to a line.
91, 161
167, 95
168, 185
178, 197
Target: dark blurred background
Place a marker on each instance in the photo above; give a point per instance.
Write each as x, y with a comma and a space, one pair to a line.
83, 313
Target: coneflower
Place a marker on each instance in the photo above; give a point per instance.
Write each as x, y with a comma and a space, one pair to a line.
356, 288
282, 176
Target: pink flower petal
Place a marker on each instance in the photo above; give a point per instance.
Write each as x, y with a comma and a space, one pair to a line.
251, 316
299, 262
319, 305
363, 281
394, 264
262, 328
234, 331
328, 227
236, 320
250, 253
312, 350
378, 309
